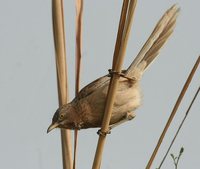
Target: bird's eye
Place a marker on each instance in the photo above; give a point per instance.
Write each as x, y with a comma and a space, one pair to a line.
61, 117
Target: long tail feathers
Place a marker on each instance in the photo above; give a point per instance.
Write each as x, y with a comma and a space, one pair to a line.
157, 39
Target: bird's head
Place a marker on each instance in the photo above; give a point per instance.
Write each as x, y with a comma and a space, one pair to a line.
64, 117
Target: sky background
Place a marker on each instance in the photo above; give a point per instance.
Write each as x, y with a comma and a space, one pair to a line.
28, 88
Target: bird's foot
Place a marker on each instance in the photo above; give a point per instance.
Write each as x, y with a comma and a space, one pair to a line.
103, 133
129, 116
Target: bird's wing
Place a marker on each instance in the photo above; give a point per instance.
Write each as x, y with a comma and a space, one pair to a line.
150, 50
91, 87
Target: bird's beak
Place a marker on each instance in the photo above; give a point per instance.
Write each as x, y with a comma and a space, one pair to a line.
52, 126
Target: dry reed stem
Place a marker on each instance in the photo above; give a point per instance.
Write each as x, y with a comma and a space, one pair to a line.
78, 51
59, 42
120, 31
180, 126
185, 87
117, 64
158, 37
79, 14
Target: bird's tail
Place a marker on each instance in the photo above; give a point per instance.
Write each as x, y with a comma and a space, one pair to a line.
157, 39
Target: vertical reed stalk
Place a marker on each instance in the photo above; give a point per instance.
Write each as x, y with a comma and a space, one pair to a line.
60, 52
183, 91
121, 43
78, 51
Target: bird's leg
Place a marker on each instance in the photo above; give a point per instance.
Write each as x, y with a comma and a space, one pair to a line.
127, 117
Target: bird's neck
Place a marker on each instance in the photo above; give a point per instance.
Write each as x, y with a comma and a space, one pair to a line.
82, 110
74, 116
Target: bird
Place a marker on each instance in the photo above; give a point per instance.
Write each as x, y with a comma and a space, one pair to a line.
86, 110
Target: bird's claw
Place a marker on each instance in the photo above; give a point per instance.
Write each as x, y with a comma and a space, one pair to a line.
129, 116
103, 133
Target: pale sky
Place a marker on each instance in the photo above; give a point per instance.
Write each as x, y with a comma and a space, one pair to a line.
29, 93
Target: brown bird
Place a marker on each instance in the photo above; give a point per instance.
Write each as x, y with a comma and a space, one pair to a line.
86, 110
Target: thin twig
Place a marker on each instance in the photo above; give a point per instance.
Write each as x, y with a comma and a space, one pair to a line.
177, 158
179, 128
117, 65
78, 51
185, 87
60, 51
